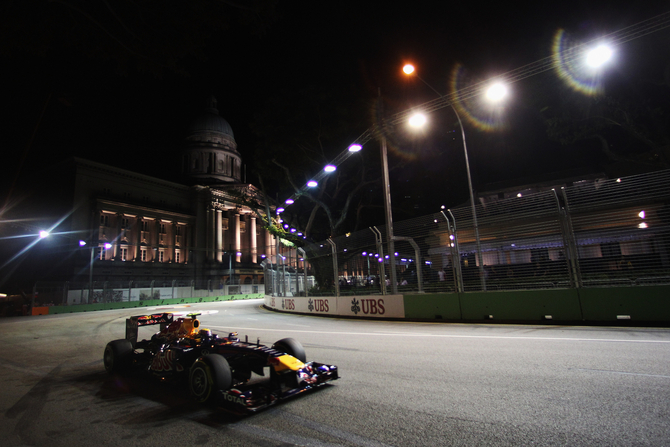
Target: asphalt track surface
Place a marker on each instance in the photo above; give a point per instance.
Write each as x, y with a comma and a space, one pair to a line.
403, 384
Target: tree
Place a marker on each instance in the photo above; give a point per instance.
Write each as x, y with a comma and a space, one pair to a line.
629, 124
299, 133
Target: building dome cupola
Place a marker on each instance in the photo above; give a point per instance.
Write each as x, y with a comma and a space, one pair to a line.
210, 151
210, 124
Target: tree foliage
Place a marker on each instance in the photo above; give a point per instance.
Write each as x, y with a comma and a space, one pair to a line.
299, 132
629, 124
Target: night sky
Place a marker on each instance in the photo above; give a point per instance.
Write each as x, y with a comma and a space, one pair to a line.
137, 120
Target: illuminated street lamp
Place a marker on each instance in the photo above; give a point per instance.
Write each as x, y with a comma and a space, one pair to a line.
495, 92
599, 56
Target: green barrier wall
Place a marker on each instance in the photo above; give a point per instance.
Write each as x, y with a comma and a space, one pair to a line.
145, 303
528, 305
642, 304
649, 303
438, 306
525, 305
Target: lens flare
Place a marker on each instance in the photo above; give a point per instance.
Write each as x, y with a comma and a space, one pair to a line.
475, 108
575, 66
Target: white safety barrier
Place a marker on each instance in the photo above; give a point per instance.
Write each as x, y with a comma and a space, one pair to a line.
376, 306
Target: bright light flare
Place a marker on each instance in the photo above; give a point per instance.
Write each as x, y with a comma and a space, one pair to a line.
642, 214
496, 92
330, 168
408, 69
312, 183
44, 234
599, 56
289, 201
417, 120
355, 148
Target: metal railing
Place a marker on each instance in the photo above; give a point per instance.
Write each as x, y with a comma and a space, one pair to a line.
601, 233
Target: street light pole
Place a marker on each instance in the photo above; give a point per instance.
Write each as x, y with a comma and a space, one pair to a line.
389, 216
408, 69
482, 276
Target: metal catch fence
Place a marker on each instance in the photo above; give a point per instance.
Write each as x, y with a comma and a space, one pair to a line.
605, 233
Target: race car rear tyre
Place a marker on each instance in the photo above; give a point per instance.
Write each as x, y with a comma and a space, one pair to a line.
118, 356
292, 347
209, 375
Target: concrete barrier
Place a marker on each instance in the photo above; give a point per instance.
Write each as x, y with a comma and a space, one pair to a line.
648, 304
146, 303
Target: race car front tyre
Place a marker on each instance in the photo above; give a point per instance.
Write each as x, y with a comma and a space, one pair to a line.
118, 356
292, 347
209, 375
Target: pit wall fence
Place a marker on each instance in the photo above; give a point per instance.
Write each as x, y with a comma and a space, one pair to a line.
612, 305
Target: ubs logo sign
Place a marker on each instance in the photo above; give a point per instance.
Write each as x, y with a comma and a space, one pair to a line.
318, 305
368, 306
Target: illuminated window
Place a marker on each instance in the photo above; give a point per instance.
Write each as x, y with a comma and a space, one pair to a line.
224, 224
243, 226
161, 256
124, 253
177, 256
143, 254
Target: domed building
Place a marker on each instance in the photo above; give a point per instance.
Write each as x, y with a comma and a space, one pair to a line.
210, 154
138, 230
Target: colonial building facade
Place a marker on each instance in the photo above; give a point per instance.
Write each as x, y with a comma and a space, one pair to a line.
141, 228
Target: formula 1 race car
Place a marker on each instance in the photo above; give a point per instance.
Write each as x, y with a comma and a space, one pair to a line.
218, 369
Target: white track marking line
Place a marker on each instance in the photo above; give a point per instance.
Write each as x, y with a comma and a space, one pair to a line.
482, 337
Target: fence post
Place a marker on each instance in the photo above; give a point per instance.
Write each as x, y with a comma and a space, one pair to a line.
573, 241
380, 249
569, 260
336, 278
460, 287
304, 270
417, 255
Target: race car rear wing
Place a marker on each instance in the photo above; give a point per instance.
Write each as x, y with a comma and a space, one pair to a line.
134, 323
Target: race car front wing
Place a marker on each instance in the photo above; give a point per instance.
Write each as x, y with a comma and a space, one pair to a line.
250, 399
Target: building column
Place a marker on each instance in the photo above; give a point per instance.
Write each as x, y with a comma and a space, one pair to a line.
218, 236
138, 239
253, 240
117, 237
211, 241
238, 239
173, 238
157, 246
